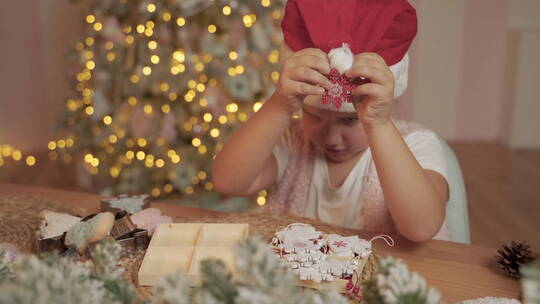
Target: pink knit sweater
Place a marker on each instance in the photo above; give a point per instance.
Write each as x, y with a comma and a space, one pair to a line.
292, 192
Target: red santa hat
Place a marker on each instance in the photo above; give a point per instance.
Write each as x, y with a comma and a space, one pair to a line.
343, 28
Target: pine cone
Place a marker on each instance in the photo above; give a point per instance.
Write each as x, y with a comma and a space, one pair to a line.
512, 257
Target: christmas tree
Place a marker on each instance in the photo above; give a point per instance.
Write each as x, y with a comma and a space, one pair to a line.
158, 85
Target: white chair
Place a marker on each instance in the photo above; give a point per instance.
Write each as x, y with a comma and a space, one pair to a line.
457, 215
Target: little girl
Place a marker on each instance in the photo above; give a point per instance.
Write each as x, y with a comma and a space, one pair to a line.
344, 163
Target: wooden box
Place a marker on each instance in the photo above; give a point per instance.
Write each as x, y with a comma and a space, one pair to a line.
177, 246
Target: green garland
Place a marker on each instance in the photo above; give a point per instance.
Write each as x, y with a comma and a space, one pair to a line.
262, 279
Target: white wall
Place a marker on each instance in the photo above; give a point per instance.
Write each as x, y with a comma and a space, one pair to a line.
35, 37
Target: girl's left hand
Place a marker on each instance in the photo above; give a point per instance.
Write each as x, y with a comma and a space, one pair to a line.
373, 100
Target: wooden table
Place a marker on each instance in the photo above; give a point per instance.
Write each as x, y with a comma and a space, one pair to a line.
458, 271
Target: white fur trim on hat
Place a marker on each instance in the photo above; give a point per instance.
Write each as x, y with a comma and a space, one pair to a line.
401, 75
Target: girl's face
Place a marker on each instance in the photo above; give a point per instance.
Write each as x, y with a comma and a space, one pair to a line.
339, 135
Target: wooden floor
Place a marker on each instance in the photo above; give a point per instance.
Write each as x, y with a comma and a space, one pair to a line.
503, 189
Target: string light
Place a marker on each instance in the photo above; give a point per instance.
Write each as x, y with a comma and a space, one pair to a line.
134, 78
89, 41
114, 171
89, 110
113, 139
111, 56
107, 120
232, 107
166, 16
222, 119
16, 155
151, 7
219, 146
90, 18
165, 108
121, 133
261, 201
273, 57
249, 20
242, 117
175, 70
180, 21
90, 65
189, 190
175, 159
203, 126
239, 69
148, 109
141, 142
257, 106
30, 160
275, 76
173, 96
130, 154
179, 55
214, 132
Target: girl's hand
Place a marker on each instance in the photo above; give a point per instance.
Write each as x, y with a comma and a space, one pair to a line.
302, 73
373, 101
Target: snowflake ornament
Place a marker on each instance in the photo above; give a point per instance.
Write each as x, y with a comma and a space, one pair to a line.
340, 91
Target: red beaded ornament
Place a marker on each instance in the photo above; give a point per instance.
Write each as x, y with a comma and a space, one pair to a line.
340, 91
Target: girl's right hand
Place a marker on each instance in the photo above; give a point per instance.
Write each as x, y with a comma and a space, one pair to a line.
302, 74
